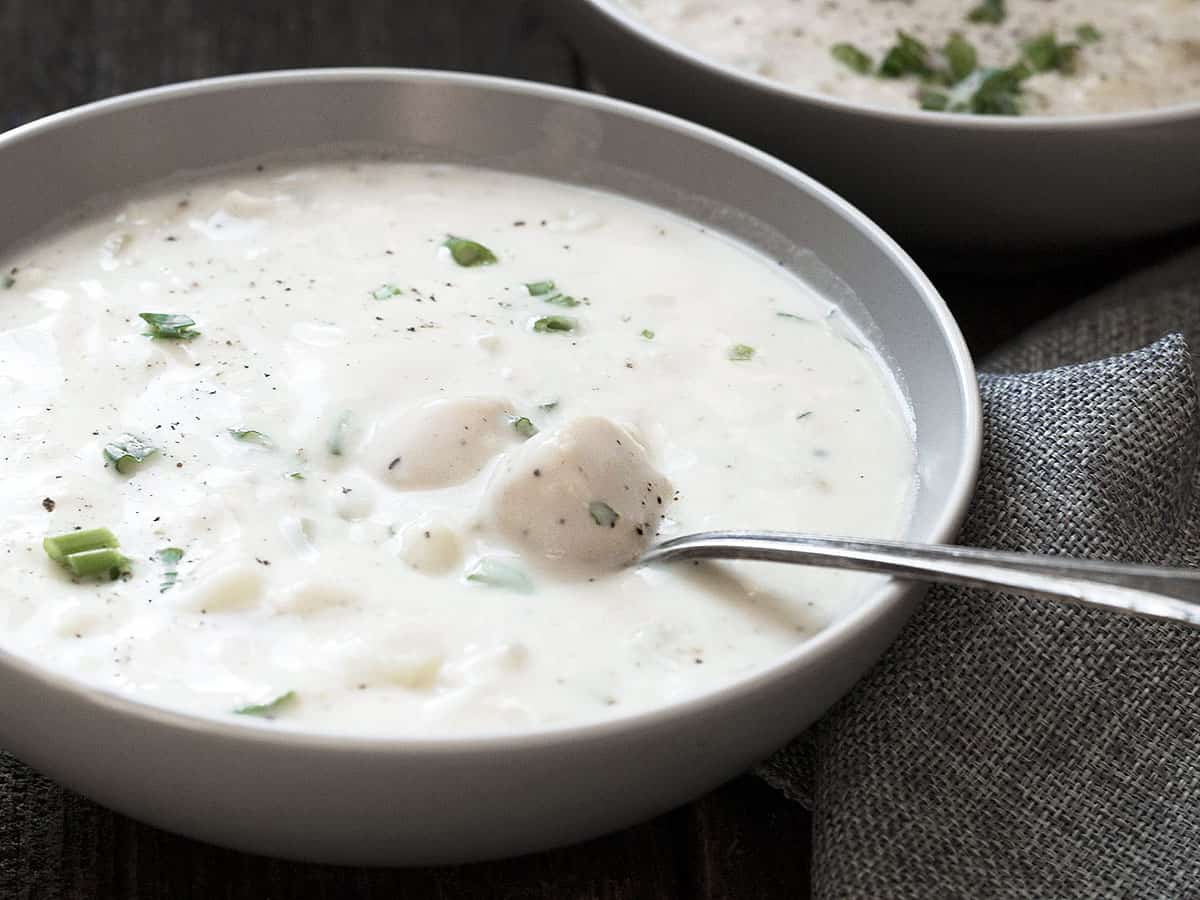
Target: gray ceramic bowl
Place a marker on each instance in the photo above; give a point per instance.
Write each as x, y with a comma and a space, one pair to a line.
951, 181
376, 801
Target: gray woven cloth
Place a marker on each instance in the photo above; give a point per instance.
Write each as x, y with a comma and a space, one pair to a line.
1007, 747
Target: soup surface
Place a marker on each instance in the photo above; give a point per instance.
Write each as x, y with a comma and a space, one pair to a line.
387, 473
1010, 57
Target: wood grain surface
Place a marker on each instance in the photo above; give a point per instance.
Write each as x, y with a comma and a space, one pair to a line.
742, 841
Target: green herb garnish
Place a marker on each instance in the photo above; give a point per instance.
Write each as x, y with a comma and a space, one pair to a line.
1087, 33
960, 56
648, 334
251, 436
170, 326
989, 12
85, 553
539, 288
269, 709
851, 56
554, 323
494, 573
169, 557
7, 281
295, 476
386, 292
603, 514
469, 253
741, 352
907, 57
127, 452
523, 426
1046, 54
562, 300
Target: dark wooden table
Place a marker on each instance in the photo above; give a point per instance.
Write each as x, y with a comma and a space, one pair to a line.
741, 841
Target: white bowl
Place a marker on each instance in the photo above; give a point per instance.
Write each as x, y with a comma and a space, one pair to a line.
983, 183
359, 800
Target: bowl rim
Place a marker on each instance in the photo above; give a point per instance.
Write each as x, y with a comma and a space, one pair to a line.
871, 609
1138, 118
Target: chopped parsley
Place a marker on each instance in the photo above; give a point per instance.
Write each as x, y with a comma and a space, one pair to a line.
908, 56
554, 323
741, 352
989, 12
648, 334
960, 56
169, 557
1046, 54
127, 452
494, 573
251, 436
268, 709
386, 292
169, 326
469, 253
851, 56
603, 514
523, 426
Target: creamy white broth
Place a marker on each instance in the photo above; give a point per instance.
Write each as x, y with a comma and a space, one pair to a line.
331, 317
1148, 54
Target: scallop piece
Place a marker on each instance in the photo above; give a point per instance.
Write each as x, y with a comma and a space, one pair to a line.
583, 497
441, 443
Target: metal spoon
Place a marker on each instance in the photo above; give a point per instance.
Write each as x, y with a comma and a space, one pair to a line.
1153, 592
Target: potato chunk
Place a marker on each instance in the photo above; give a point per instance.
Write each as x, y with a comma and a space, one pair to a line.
584, 497
441, 443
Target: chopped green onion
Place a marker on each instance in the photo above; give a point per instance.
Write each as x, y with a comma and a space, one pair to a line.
494, 573
554, 323
1088, 33
251, 436
548, 405
851, 56
169, 557
603, 514
562, 300
128, 451
469, 253
170, 326
386, 292
741, 352
295, 476
523, 426
989, 12
961, 56
934, 100
106, 561
539, 288
59, 547
269, 709
907, 57
648, 334
336, 445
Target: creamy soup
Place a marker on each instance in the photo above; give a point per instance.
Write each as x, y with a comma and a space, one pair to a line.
1037, 57
379, 442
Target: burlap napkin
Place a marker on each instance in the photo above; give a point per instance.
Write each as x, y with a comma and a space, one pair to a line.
1007, 747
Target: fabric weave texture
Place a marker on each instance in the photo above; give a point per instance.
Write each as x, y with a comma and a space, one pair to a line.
1017, 748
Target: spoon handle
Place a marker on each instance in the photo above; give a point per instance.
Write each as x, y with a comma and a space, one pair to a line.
1150, 591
